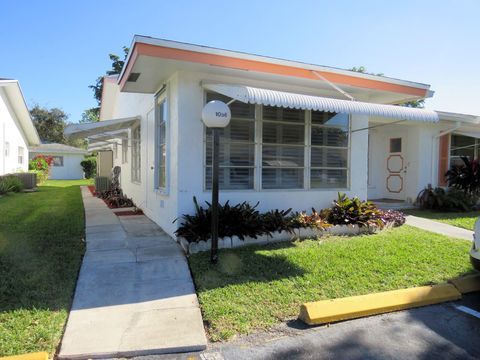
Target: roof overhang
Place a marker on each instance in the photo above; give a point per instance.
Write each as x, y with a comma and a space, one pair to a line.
100, 128
151, 62
252, 95
17, 102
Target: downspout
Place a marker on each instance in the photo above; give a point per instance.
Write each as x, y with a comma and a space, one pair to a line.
434, 138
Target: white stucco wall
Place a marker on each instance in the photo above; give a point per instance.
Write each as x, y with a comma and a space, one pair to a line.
71, 169
10, 132
190, 158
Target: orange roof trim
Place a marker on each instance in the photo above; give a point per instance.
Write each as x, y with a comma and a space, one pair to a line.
259, 66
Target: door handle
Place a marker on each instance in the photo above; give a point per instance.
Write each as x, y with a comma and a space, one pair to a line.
151, 167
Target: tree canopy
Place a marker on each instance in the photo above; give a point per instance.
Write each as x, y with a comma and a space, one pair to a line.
93, 114
49, 123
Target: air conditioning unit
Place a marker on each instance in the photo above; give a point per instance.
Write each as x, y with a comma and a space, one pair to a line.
102, 183
29, 180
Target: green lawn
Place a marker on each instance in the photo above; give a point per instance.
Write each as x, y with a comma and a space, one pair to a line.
41, 247
464, 220
255, 287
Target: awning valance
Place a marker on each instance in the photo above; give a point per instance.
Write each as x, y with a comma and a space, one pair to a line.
252, 95
99, 128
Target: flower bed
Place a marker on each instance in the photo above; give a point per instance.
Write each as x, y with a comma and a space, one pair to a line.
242, 224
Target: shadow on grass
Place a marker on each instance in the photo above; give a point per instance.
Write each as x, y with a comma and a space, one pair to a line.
235, 266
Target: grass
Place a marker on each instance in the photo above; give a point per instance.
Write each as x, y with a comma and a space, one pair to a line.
41, 247
464, 220
254, 288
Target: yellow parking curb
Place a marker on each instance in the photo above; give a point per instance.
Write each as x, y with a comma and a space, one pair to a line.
32, 356
326, 311
467, 284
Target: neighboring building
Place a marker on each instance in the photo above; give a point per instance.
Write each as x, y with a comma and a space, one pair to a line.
17, 131
299, 133
66, 160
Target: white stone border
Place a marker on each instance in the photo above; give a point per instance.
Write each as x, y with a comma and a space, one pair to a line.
296, 234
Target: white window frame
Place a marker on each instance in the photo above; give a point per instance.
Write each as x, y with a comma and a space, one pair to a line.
162, 98
60, 157
21, 155
136, 152
257, 170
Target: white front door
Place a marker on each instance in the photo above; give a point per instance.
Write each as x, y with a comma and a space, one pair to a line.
150, 160
396, 168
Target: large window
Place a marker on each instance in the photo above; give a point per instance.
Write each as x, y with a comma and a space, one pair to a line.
283, 148
136, 157
161, 143
237, 148
463, 146
266, 147
329, 150
124, 151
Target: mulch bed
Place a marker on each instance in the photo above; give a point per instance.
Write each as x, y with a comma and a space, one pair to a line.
128, 212
92, 189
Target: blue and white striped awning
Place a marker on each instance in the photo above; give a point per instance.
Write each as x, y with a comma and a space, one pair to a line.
252, 95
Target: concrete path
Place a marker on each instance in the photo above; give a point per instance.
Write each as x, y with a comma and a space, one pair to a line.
134, 295
439, 227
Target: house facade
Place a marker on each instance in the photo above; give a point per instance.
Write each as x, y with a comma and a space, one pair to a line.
17, 131
299, 133
66, 160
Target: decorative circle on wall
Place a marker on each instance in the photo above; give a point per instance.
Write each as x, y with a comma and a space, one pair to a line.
394, 183
395, 163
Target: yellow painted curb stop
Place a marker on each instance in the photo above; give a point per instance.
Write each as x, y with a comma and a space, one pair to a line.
32, 356
467, 284
327, 311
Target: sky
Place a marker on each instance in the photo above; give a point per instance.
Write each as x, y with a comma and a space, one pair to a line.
57, 48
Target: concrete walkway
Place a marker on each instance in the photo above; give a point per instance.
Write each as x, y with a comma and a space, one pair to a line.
439, 227
134, 295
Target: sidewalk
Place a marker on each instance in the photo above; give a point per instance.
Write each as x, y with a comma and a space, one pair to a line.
134, 295
439, 227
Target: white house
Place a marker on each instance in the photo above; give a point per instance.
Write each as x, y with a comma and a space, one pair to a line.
66, 160
17, 131
299, 132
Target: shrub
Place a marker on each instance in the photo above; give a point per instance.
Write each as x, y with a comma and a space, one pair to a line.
445, 200
11, 183
89, 166
465, 177
352, 211
40, 165
313, 220
5, 187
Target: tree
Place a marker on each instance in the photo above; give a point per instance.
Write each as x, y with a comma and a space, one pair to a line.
49, 123
413, 103
93, 114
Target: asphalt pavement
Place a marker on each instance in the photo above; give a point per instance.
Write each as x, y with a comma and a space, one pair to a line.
445, 331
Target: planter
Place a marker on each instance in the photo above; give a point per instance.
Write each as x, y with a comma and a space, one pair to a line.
297, 234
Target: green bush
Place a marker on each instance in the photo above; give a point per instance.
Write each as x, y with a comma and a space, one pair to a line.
5, 187
452, 199
352, 211
11, 183
89, 166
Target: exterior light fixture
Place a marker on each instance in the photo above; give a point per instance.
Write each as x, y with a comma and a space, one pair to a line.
215, 115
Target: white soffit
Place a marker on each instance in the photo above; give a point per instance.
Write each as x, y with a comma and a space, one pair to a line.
252, 95
100, 127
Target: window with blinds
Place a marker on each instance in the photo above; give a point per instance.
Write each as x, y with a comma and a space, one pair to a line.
329, 150
237, 148
461, 145
136, 157
283, 148
280, 148
161, 143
